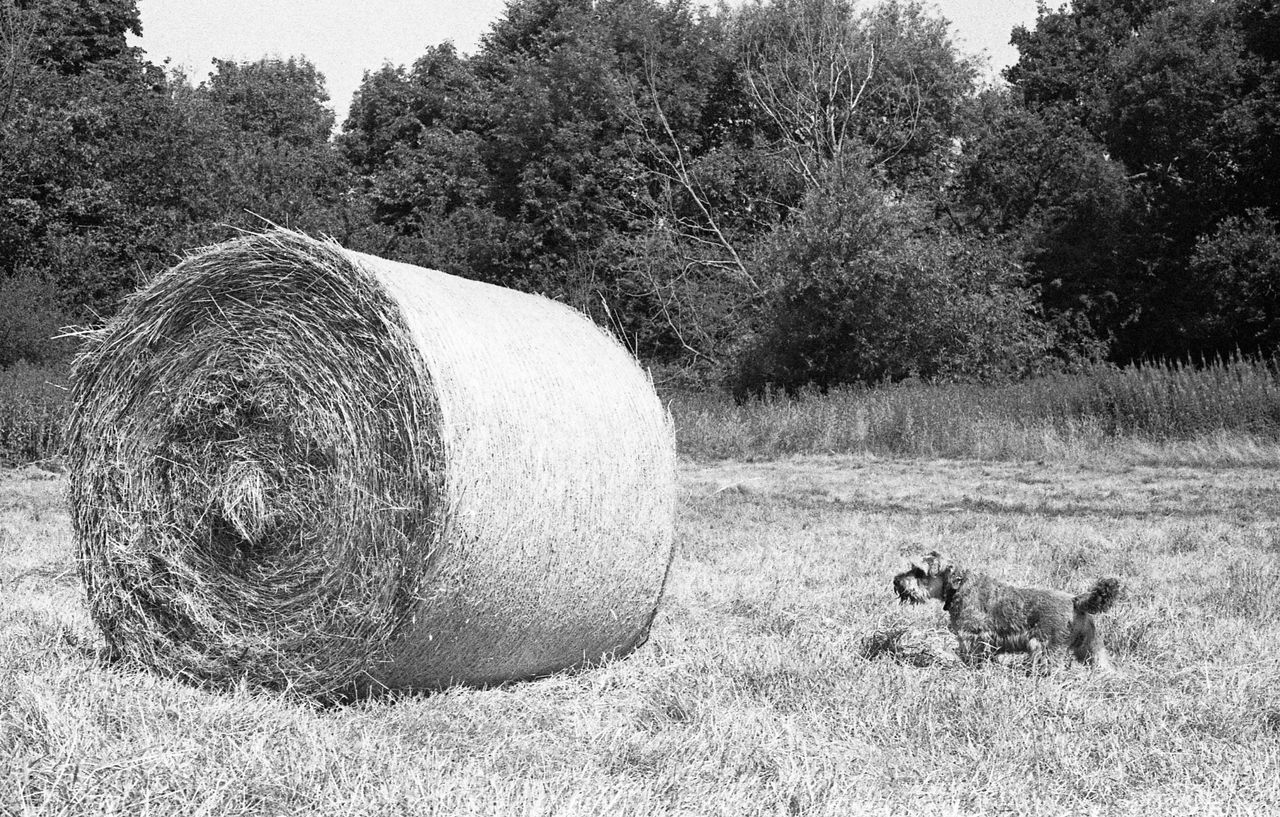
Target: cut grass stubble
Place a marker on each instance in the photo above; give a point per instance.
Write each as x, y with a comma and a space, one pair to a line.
756, 695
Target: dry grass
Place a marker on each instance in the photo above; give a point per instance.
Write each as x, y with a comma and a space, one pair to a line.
756, 695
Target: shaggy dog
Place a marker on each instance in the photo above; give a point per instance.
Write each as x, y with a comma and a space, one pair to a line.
989, 616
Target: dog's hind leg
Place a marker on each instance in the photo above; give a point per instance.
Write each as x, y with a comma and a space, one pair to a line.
1040, 656
1087, 646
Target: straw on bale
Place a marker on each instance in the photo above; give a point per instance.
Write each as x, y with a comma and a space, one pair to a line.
300, 466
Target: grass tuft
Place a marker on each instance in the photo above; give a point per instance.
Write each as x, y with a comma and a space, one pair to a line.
910, 645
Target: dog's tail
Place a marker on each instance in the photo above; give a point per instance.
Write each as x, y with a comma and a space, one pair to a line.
1099, 599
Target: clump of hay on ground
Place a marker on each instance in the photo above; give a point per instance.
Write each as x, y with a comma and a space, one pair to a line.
911, 645
304, 467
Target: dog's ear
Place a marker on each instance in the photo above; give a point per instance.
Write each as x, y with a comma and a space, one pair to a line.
935, 563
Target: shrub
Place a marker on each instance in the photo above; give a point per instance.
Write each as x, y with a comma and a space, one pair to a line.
863, 294
1238, 267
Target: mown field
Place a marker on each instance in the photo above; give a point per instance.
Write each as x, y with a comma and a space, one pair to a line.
759, 692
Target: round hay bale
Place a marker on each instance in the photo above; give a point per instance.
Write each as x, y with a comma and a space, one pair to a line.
303, 467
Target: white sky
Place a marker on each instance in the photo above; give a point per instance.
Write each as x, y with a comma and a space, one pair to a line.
345, 38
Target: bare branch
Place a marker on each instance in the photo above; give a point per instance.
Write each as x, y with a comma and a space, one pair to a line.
813, 74
679, 167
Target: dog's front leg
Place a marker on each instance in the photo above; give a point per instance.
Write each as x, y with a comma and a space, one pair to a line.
975, 647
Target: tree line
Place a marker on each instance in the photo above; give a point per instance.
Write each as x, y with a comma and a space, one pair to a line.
780, 194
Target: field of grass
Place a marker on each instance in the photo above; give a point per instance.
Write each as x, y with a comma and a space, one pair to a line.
758, 693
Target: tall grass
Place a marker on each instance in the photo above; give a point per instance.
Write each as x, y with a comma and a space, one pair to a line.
32, 405
1229, 409
1050, 417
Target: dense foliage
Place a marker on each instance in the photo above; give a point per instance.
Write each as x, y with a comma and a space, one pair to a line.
1178, 102
776, 194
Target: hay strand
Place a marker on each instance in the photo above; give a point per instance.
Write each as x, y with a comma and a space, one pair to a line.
298, 466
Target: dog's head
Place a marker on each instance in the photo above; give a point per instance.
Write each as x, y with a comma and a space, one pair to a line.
929, 578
